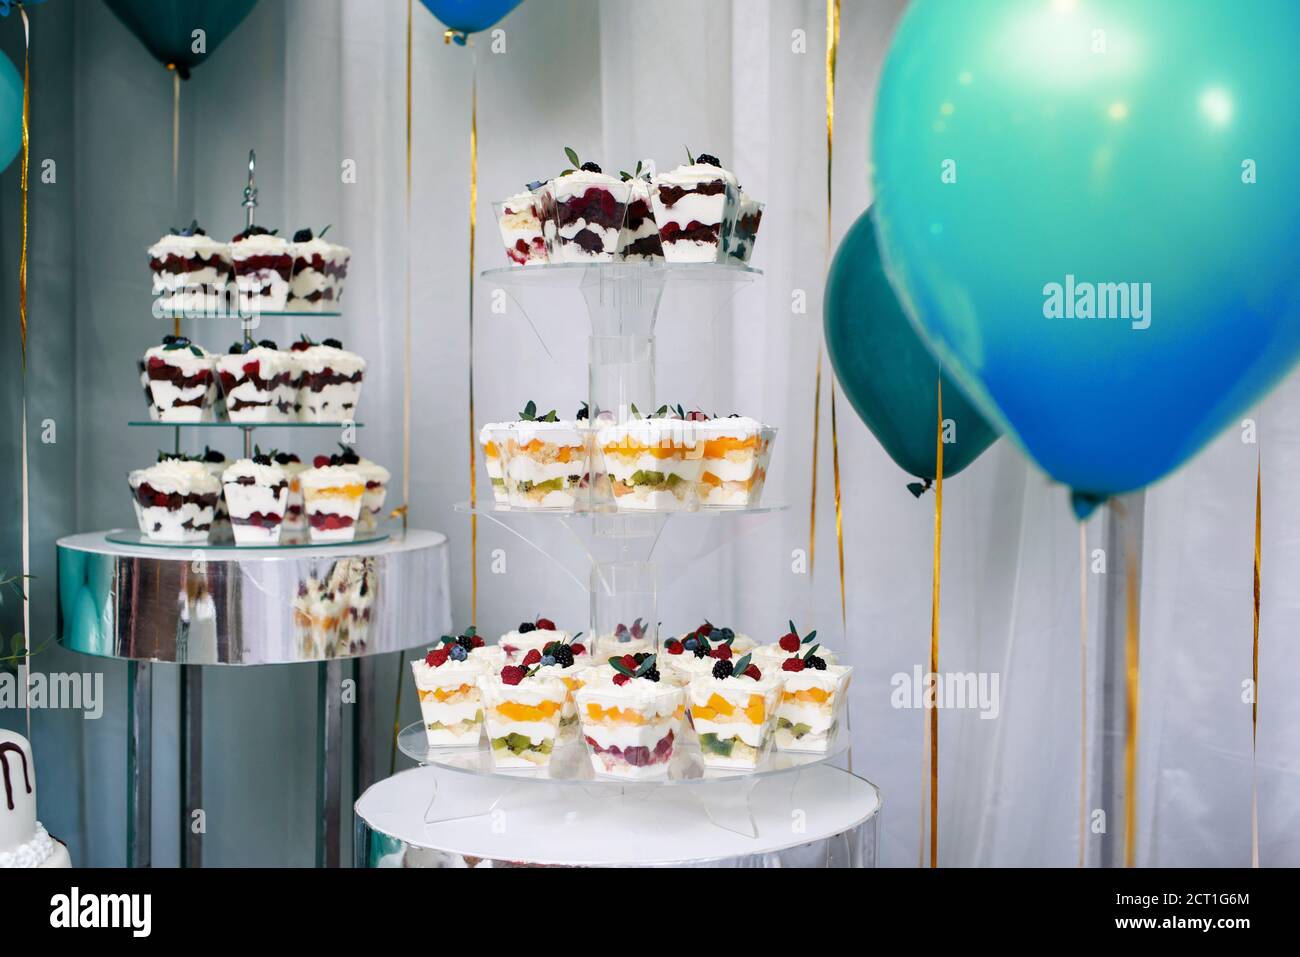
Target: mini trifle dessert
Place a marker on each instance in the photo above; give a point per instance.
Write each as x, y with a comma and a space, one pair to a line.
329, 386
154, 411
631, 719
586, 207
653, 462
536, 635
215, 461
521, 711
741, 228
332, 497
812, 698
263, 264
692, 654
626, 639
256, 492
737, 450
319, 270
376, 478
447, 682
520, 222
295, 519
190, 271
790, 645
733, 709
492, 438
639, 239
182, 380
691, 204
255, 380
556, 659
317, 614
176, 498
546, 460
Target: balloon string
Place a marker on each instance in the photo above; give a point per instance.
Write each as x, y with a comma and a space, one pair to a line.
934, 634
176, 161
1083, 693
1254, 671
473, 437
1131, 703
22, 323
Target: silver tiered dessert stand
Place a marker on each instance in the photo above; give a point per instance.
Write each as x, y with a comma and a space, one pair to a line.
121, 596
458, 810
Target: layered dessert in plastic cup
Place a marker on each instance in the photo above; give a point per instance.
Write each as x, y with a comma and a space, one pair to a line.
317, 614
522, 713
215, 462
812, 698
190, 271
319, 271
154, 411
586, 208
557, 660
736, 453
625, 640
295, 518
182, 380
545, 461
451, 706
639, 239
630, 720
741, 229
133, 480
332, 497
256, 491
520, 222
255, 381
376, 478
263, 265
329, 384
177, 499
690, 205
733, 710
492, 438
536, 635
653, 464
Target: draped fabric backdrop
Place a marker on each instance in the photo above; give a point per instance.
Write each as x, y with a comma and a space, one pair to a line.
314, 84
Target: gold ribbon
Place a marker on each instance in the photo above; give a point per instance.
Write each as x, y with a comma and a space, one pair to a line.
22, 323
934, 633
1083, 693
473, 437
832, 53
1131, 703
1254, 673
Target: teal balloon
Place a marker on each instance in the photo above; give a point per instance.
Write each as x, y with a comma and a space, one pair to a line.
886, 370
470, 16
1042, 164
11, 111
166, 27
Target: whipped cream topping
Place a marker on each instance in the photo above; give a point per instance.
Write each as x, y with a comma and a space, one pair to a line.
260, 474
319, 357
674, 432
467, 671
584, 177
638, 692
183, 358
737, 684
372, 471
185, 246
312, 247
695, 174
258, 245
563, 432
331, 476
179, 475
736, 427
487, 433
274, 358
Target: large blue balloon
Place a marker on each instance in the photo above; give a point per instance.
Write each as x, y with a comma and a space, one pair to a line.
11, 111
166, 27
1042, 163
470, 16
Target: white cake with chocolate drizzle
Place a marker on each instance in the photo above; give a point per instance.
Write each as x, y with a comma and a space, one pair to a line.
24, 842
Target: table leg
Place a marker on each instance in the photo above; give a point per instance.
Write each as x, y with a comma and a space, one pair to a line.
139, 763
191, 709
329, 758
363, 725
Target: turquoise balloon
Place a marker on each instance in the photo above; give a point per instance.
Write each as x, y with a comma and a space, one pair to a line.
470, 16
166, 27
11, 111
1090, 210
886, 371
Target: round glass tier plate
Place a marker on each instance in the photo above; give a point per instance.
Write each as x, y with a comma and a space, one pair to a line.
240, 317
288, 541
151, 424
575, 275
571, 764
501, 508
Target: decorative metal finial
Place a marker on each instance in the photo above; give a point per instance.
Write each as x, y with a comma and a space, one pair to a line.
250, 191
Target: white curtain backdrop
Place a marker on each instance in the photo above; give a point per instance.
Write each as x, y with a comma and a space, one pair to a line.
315, 85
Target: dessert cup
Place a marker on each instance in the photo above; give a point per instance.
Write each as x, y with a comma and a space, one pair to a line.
133, 480
736, 454
295, 519
176, 500
544, 463
155, 413
810, 707
372, 502
255, 382
215, 462
451, 704
256, 494
354, 583
190, 272
586, 211
330, 384
574, 675
519, 220
690, 205
332, 500
630, 728
522, 719
319, 269
653, 464
639, 239
516, 644
741, 229
317, 614
733, 718
263, 265
182, 380
492, 438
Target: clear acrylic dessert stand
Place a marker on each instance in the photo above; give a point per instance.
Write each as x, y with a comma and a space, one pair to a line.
221, 604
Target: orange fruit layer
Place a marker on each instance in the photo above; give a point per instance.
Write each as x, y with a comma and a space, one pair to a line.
337, 491
444, 694
708, 478
617, 715
573, 684
717, 448
815, 695
755, 709
564, 453
631, 449
517, 711
490, 450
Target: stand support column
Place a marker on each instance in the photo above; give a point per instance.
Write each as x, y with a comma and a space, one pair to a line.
191, 843
139, 764
329, 757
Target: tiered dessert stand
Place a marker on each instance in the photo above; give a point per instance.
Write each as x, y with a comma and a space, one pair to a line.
457, 809
122, 596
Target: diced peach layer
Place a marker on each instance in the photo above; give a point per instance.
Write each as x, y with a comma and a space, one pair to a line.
445, 694
815, 695
616, 715
718, 706
564, 453
491, 451
708, 478
631, 450
718, 448
517, 711
338, 491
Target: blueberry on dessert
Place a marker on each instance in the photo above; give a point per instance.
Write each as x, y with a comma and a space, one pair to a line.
256, 379
586, 208
256, 493
630, 718
733, 708
737, 450
690, 205
376, 479
639, 239
447, 683
319, 271
176, 499
329, 384
263, 265
522, 709
190, 271
653, 461
182, 380
544, 461
519, 219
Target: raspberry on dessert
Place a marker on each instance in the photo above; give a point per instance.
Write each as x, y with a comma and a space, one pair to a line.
675, 647
545, 624
753, 672
722, 651
789, 642
532, 658
512, 674
478, 642
792, 664
436, 658
321, 461
629, 662
705, 629
621, 679
577, 648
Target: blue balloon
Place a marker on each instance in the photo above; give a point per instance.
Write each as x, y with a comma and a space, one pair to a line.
166, 27
470, 16
11, 112
1090, 209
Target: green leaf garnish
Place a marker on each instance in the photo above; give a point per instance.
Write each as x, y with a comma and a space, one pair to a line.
738, 668
573, 157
